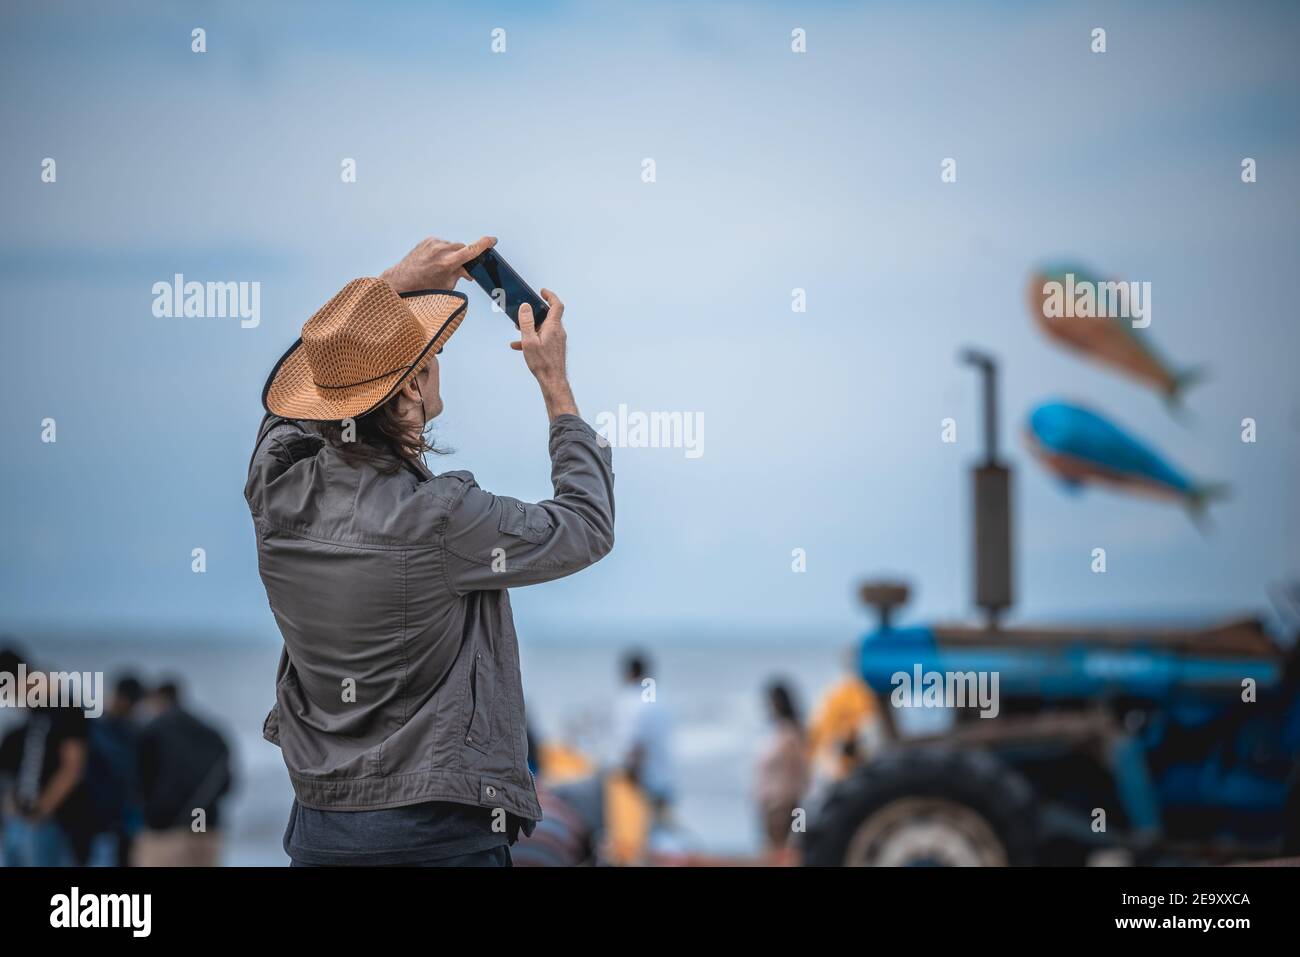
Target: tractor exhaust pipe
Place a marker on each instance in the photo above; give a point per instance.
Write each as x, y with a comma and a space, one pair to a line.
992, 504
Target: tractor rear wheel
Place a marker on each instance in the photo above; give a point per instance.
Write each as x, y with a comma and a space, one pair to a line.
926, 807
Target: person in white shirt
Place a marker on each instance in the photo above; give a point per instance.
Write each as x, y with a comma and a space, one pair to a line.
642, 734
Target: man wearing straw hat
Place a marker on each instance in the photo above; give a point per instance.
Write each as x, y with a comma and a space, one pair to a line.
399, 707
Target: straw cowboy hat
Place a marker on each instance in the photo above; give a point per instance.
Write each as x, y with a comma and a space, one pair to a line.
359, 349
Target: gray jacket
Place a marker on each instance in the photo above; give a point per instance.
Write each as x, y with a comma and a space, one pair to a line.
399, 681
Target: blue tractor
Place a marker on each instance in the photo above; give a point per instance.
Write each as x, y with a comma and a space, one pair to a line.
1149, 745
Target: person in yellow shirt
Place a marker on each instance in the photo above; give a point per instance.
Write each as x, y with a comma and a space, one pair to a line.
847, 725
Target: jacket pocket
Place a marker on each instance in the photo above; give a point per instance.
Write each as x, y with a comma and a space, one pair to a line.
481, 684
526, 521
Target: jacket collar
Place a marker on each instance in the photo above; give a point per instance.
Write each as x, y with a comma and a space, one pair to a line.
417, 468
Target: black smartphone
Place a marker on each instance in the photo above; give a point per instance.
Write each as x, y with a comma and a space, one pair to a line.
506, 287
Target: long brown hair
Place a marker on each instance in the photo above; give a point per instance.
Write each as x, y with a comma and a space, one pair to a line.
381, 438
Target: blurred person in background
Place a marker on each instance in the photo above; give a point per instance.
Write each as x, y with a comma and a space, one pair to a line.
113, 774
643, 732
568, 833
48, 819
781, 775
847, 726
399, 702
184, 772
572, 800
642, 750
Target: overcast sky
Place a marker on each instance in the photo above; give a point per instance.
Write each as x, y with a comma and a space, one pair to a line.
774, 171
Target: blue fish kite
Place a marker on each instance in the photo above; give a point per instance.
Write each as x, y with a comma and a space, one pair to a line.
1080, 446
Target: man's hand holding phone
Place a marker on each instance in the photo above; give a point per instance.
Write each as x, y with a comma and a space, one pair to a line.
435, 264
439, 264
544, 352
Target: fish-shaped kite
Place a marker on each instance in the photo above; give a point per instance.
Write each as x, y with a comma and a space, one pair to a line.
1121, 343
1080, 446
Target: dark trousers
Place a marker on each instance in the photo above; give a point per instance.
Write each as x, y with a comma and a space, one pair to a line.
492, 857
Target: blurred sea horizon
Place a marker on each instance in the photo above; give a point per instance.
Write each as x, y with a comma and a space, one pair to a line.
548, 632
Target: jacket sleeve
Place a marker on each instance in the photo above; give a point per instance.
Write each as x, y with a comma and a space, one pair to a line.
495, 541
